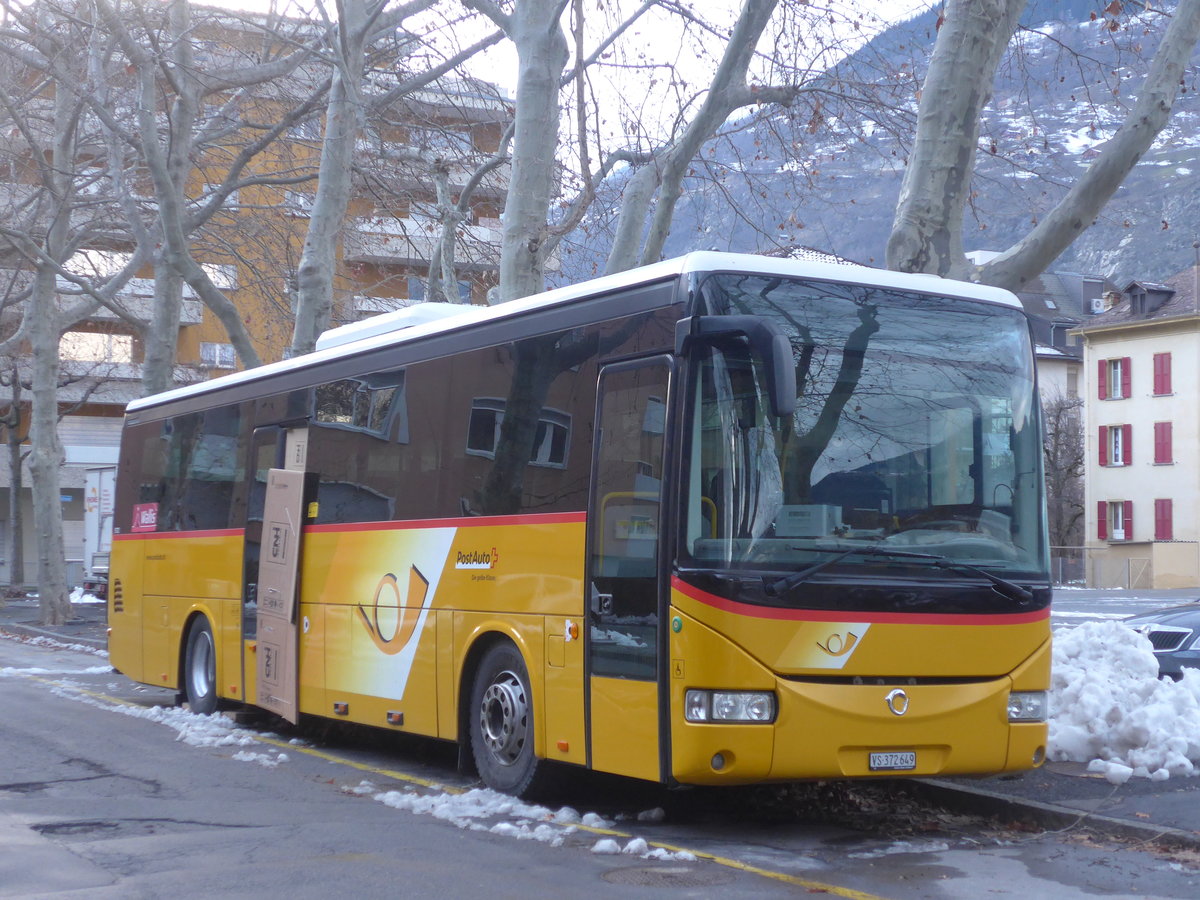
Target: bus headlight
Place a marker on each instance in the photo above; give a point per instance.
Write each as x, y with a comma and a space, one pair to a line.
1027, 706
729, 706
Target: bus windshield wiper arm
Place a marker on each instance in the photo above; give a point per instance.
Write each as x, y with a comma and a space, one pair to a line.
782, 585
1009, 589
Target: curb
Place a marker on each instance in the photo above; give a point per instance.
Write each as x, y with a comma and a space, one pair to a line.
32, 631
980, 801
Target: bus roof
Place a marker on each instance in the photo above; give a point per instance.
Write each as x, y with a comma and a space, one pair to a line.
414, 323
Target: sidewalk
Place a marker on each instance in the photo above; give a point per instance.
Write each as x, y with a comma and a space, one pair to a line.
88, 624
1057, 796
1063, 795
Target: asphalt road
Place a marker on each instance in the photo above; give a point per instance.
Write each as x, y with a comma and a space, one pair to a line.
1073, 606
99, 804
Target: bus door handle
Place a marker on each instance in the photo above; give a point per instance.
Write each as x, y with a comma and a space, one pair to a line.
602, 604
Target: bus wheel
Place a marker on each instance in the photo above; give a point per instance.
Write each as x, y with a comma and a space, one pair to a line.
200, 669
501, 722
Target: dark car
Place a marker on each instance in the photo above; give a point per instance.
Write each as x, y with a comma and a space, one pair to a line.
1175, 634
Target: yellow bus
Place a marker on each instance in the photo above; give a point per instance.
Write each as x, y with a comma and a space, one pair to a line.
720, 520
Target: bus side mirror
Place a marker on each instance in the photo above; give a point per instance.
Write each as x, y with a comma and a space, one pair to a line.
766, 340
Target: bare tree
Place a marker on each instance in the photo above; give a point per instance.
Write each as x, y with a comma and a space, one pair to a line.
1064, 461
927, 234
363, 27
211, 116
56, 206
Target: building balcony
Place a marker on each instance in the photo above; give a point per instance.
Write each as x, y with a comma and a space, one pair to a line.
137, 297
392, 241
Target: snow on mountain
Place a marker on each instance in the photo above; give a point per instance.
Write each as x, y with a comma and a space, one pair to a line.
830, 178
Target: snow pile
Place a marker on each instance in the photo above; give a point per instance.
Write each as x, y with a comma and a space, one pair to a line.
13, 671
1109, 708
477, 810
78, 595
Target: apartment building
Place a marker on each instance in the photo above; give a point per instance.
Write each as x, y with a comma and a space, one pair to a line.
1143, 437
251, 247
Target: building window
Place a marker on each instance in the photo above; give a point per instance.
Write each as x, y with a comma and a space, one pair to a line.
371, 404
298, 203
1113, 378
1072, 384
305, 130
217, 356
1164, 525
222, 275
549, 443
416, 290
1162, 374
1116, 445
1114, 520
90, 346
1163, 451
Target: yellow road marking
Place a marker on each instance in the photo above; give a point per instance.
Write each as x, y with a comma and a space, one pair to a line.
404, 777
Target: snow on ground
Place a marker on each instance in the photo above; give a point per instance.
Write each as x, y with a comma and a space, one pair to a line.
1109, 708
79, 596
478, 810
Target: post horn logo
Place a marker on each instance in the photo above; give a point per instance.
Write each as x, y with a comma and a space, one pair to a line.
837, 645
897, 702
388, 600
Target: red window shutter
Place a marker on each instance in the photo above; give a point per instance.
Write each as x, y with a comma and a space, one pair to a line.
1126, 445
1104, 445
1129, 520
1163, 451
1158, 373
1102, 520
1102, 379
1164, 526
1166, 377
1126, 377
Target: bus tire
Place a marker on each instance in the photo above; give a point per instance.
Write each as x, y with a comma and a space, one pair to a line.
501, 723
200, 669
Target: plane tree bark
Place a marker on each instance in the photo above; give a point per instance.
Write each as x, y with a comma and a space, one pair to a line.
927, 232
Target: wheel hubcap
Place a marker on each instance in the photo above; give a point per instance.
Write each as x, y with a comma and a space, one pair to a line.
504, 718
204, 670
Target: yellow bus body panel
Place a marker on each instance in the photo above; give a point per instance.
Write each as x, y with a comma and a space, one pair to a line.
625, 727
827, 726
125, 609
394, 610
163, 581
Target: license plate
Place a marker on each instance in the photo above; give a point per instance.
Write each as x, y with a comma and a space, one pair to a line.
893, 762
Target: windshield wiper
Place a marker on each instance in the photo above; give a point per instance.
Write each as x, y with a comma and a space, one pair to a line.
777, 588
1002, 586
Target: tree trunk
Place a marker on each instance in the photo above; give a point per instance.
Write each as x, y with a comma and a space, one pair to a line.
726, 93
46, 457
541, 45
343, 121
1030, 256
16, 486
927, 229
162, 334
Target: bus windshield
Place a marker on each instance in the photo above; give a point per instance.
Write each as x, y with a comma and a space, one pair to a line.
915, 441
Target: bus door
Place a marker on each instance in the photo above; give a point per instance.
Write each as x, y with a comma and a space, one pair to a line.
625, 602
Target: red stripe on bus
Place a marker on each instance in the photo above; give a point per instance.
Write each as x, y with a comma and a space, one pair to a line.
566, 518
159, 535
836, 615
